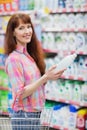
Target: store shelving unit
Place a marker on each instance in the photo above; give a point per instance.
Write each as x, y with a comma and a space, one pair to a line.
82, 52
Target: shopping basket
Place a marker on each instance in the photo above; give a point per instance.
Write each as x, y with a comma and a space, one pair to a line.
39, 122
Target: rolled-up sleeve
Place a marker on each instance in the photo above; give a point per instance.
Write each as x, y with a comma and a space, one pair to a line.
15, 73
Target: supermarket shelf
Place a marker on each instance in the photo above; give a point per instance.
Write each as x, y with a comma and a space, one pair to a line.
63, 128
58, 127
68, 101
5, 114
71, 77
49, 51
81, 52
67, 10
5, 13
55, 29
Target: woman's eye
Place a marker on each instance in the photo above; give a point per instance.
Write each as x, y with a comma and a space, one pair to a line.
29, 26
21, 28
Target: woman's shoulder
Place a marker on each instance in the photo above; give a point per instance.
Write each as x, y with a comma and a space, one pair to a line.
12, 57
12, 60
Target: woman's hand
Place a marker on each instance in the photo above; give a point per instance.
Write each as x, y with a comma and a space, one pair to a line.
52, 74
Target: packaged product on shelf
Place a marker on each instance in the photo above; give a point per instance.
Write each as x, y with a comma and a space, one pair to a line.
7, 6
49, 4
61, 3
79, 21
1, 23
55, 5
72, 116
2, 9
64, 43
4, 101
81, 117
4, 23
0, 101
81, 66
40, 4
71, 41
61, 92
85, 21
71, 21
47, 112
68, 4
5, 80
49, 94
68, 90
77, 91
10, 99
63, 21
31, 4
14, 5
55, 88
84, 92
50, 41
2, 60
1, 78
59, 115
23, 4
77, 4
1, 44
58, 41
80, 41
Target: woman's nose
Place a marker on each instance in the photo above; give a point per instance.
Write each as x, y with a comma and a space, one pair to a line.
26, 30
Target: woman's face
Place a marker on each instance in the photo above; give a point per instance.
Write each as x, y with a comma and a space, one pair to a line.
23, 33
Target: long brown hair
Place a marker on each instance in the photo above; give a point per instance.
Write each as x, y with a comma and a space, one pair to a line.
33, 47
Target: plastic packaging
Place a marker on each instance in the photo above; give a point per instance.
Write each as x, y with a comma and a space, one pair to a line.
66, 62
77, 91
72, 116
81, 116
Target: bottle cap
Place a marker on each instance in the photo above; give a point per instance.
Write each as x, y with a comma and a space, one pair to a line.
74, 55
56, 107
72, 108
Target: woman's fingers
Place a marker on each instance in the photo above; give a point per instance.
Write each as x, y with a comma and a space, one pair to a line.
61, 71
52, 68
52, 75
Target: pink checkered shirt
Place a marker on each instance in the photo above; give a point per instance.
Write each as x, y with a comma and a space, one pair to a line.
22, 70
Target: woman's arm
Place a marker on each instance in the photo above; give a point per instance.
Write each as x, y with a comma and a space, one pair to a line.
49, 75
16, 76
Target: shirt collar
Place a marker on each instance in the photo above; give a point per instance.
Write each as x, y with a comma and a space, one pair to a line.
21, 49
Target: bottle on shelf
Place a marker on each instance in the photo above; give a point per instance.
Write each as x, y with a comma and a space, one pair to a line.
80, 121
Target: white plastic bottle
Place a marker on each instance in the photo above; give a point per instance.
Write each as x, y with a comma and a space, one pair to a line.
66, 62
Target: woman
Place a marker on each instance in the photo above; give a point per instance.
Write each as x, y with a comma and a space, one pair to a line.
26, 70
